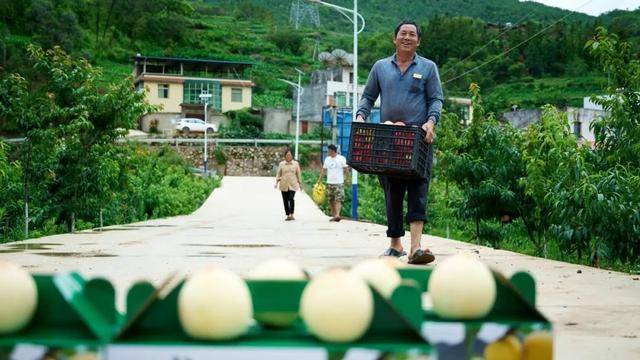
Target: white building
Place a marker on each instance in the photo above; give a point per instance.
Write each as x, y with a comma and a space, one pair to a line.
329, 87
579, 119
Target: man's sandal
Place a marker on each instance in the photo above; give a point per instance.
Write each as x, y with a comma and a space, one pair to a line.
421, 257
393, 252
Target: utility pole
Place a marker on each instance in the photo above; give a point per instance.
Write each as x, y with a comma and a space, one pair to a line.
205, 96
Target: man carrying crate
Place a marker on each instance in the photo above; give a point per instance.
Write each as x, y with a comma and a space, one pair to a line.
410, 92
337, 171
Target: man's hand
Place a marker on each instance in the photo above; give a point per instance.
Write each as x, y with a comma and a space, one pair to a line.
429, 128
359, 118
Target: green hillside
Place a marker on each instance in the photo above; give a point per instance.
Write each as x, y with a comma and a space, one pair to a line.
504, 45
381, 15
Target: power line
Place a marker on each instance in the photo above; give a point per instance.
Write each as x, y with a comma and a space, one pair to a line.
517, 46
485, 45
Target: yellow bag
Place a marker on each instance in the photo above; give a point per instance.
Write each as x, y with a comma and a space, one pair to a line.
319, 194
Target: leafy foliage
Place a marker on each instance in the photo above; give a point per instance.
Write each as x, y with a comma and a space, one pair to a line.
487, 168
618, 135
384, 15
114, 30
287, 39
244, 125
567, 198
561, 196
509, 40
550, 155
69, 168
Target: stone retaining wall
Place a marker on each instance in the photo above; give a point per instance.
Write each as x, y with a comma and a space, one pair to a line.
241, 160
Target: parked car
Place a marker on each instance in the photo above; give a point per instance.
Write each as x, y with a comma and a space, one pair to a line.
188, 125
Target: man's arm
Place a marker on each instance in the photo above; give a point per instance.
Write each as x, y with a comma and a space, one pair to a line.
435, 100
429, 129
321, 173
369, 96
345, 169
435, 97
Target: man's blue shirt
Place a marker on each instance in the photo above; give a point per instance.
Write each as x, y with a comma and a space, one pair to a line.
412, 97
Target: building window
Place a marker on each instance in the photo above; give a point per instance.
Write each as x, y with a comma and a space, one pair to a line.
341, 99
351, 78
163, 91
577, 131
193, 88
236, 95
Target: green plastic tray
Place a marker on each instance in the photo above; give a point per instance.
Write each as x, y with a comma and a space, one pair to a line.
70, 311
154, 319
73, 311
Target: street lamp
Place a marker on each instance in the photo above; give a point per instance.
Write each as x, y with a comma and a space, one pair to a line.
205, 96
300, 91
354, 99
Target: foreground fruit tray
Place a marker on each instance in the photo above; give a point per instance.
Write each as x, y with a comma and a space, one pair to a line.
75, 311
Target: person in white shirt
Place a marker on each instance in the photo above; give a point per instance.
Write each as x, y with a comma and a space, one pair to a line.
337, 172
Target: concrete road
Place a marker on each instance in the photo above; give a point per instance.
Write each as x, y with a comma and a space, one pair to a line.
596, 313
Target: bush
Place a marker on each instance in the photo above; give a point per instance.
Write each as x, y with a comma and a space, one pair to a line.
219, 155
244, 125
287, 40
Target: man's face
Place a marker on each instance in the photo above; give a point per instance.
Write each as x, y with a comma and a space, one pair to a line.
407, 39
332, 153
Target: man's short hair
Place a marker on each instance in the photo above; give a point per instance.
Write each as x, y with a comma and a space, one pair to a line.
408, 22
332, 147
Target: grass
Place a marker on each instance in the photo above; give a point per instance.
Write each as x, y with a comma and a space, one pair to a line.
114, 72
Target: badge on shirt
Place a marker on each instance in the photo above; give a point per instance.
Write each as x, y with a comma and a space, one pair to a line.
417, 76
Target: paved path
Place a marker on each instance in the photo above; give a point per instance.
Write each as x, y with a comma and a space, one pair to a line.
596, 313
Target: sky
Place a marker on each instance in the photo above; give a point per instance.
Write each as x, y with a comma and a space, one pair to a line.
594, 7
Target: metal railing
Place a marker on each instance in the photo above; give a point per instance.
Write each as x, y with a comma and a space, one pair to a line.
177, 141
255, 142
13, 140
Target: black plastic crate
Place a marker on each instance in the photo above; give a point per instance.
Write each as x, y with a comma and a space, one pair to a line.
398, 151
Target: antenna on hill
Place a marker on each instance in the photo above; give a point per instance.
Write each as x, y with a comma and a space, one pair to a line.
302, 13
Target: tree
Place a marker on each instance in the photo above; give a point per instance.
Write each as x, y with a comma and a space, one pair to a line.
53, 26
4, 36
618, 134
446, 151
378, 45
71, 124
610, 190
457, 37
488, 168
287, 39
247, 10
550, 156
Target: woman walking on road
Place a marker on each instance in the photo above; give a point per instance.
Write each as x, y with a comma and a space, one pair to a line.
289, 180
